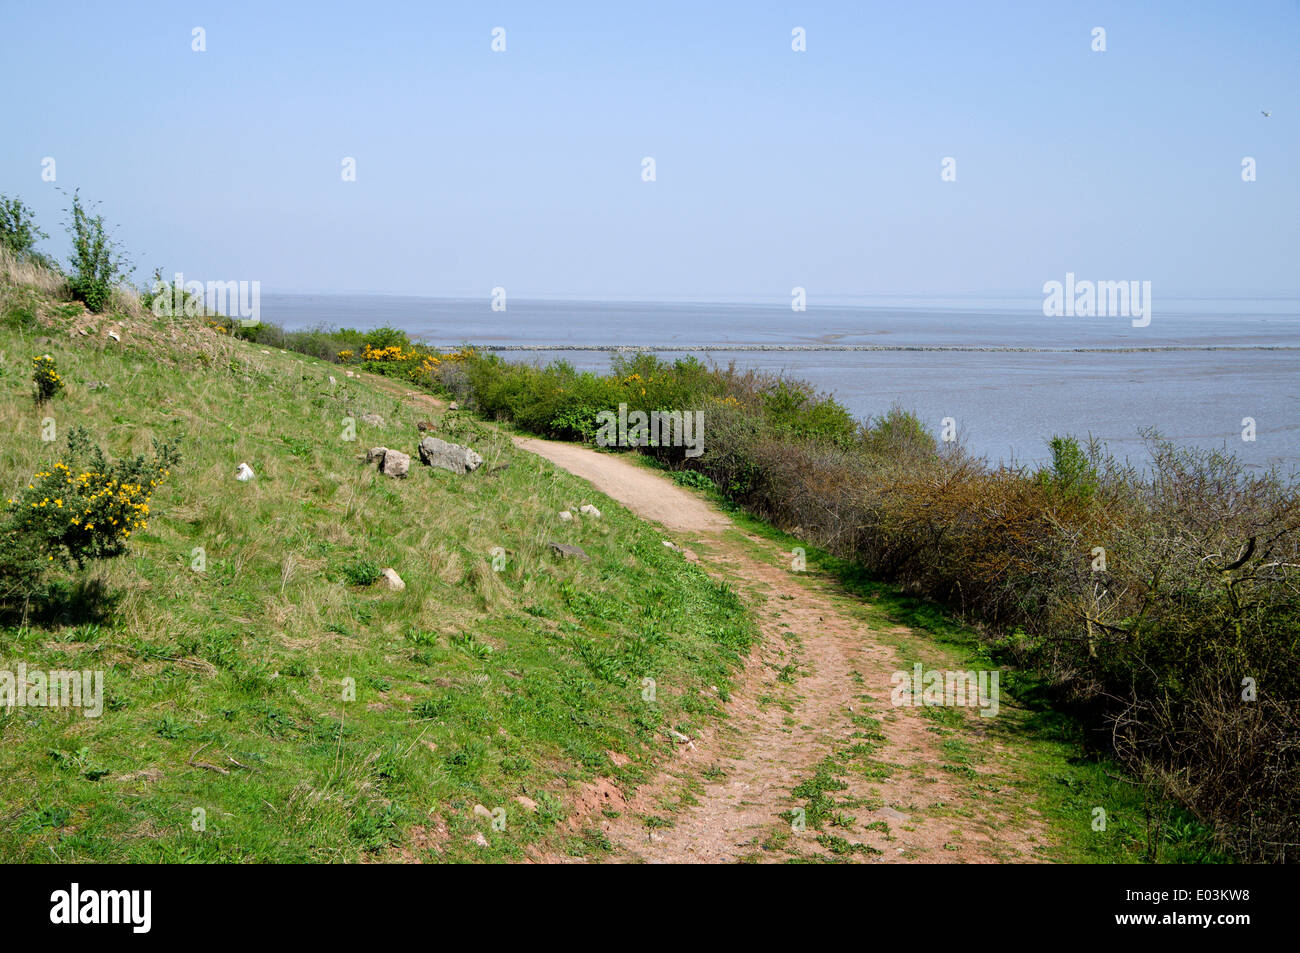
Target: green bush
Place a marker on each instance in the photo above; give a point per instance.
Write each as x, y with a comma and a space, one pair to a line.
360, 572
46, 377
18, 231
97, 264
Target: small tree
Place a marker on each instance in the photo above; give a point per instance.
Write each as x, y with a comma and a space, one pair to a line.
18, 231
97, 263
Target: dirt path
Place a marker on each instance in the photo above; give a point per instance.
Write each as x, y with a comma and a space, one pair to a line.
813, 761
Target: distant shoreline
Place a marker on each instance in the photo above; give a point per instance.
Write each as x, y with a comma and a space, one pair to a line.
992, 349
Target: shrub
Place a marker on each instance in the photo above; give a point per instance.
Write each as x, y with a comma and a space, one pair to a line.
78, 510
46, 377
360, 572
97, 264
18, 231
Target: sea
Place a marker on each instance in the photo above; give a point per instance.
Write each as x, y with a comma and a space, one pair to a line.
1219, 373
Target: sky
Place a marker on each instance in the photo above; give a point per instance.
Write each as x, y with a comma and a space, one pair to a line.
774, 168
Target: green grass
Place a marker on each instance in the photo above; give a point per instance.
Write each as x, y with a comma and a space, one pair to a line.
226, 687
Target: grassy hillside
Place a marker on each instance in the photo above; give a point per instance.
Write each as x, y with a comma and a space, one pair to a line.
224, 687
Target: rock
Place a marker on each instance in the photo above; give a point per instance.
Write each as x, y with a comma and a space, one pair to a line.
332, 380
568, 549
527, 803
565, 516
392, 580
392, 463
114, 336
670, 545
678, 736
395, 464
373, 419
424, 425
588, 510
453, 406
350, 374
481, 811
243, 473
448, 456
264, 351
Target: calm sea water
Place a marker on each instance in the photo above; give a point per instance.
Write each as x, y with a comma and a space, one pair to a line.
1006, 403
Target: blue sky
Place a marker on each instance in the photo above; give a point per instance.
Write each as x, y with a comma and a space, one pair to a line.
774, 168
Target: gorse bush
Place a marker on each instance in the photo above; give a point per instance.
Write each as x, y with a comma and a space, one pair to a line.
82, 508
46, 377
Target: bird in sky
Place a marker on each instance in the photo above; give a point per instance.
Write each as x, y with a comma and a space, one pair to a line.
1266, 113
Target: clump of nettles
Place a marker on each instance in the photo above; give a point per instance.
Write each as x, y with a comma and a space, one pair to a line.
82, 508
46, 377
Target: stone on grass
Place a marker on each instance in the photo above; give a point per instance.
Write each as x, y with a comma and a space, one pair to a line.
392, 580
565, 516
424, 425
243, 473
568, 549
481, 811
527, 803
588, 510
448, 456
373, 419
114, 336
392, 463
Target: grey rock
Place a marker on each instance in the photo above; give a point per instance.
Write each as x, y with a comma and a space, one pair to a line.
373, 419
568, 549
392, 580
448, 456
395, 464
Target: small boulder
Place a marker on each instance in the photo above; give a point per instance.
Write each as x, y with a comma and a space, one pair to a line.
567, 550
391, 580
481, 811
373, 420
448, 456
244, 473
113, 335
527, 803
394, 463
588, 510
453, 406
565, 516
424, 425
